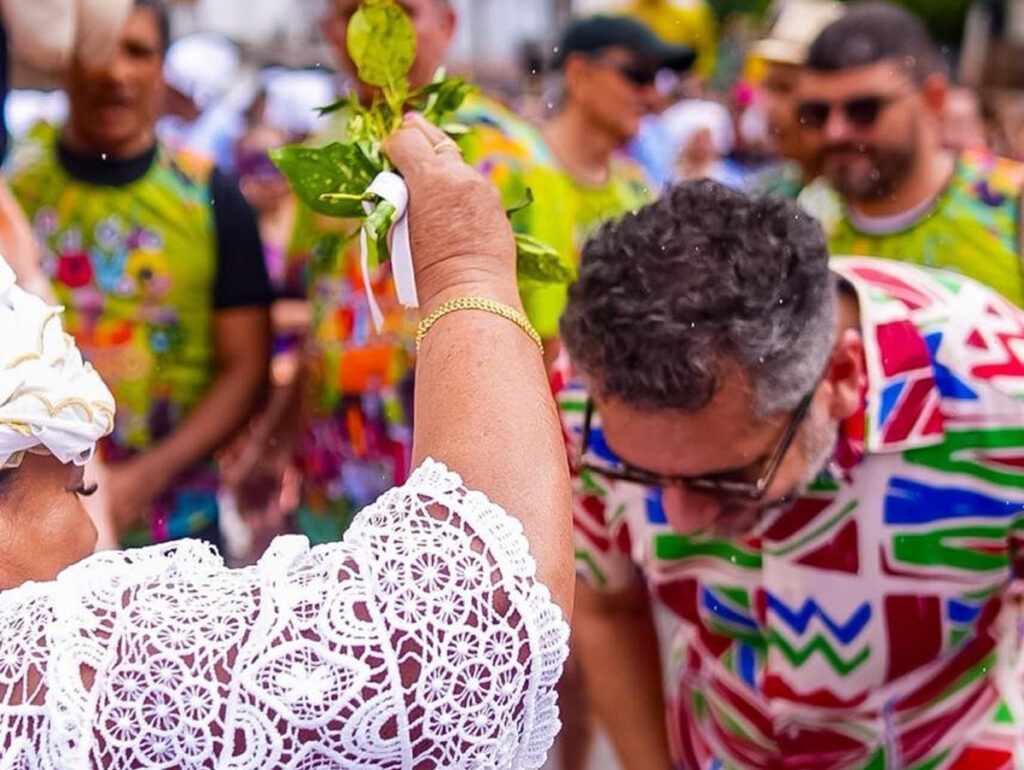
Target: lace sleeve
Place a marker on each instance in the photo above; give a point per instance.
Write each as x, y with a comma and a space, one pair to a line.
421, 641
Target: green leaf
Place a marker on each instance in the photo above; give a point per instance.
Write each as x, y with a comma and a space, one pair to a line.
522, 204
337, 168
444, 100
335, 106
538, 262
382, 42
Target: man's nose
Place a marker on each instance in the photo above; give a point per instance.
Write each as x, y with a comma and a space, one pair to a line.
688, 511
837, 127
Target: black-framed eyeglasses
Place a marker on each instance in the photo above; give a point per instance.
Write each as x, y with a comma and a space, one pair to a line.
722, 487
860, 111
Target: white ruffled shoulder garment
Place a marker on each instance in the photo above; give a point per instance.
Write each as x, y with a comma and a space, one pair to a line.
423, 640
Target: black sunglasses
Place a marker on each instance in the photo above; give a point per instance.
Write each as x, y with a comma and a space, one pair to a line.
860, 111
712, 486
637, 74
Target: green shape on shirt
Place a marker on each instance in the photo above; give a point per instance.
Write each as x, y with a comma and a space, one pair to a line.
931, 549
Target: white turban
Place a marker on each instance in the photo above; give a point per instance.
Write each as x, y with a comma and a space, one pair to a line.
49, 397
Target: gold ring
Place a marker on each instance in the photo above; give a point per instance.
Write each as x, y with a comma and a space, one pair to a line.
445, 144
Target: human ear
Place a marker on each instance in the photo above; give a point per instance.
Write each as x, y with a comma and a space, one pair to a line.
934, 90
845, 375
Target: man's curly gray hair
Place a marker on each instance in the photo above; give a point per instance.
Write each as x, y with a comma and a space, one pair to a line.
667, 298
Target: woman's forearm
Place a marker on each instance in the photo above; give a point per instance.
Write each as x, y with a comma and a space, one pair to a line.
483, 405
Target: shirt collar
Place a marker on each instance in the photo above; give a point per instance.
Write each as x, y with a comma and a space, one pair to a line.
902, 404
96, 169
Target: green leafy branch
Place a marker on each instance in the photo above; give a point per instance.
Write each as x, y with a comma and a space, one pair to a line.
333, 180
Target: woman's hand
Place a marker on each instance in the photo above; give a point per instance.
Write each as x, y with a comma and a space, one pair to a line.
462, 243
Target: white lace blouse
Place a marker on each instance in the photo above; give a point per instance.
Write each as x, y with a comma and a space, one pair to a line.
421, 641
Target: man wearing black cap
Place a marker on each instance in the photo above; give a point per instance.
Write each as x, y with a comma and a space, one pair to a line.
609, 64
872, 97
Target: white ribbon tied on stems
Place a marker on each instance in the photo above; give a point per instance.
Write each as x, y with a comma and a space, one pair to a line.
391, 187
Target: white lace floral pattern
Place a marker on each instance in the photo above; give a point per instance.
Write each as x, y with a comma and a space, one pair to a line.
421, 641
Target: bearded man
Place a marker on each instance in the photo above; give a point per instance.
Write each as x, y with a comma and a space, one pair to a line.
872, 98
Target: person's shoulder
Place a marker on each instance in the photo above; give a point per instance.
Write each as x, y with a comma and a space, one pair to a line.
1002, 176
496, 128
196, 167
570, 393
628, 172
182, 558
33, 151
821, 201
885, 286
944, 308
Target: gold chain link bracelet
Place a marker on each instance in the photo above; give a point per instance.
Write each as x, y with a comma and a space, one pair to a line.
478, 303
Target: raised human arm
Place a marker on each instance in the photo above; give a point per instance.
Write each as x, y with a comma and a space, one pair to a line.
424, 639
483, 405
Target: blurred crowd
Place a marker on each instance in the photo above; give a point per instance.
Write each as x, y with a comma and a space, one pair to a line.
189, 270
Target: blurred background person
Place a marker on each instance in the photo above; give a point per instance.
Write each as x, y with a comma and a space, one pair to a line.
963, 125
47, 36
261, 478
781, 56
702, 135
161, 270
203, 113
873, 99
609, 65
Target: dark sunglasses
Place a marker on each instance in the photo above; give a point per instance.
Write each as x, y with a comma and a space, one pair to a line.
720, 487
860, 111
637, 74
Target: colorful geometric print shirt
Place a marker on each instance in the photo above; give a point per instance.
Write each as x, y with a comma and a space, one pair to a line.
874, 623
141, 261
974, 227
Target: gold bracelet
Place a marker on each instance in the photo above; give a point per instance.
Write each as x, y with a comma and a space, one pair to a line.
478, 303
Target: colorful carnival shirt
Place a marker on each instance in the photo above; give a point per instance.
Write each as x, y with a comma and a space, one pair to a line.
973, 227
142, 261
359, 386
874, 623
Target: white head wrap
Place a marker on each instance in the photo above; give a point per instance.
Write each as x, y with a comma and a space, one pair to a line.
50, 399
203, 67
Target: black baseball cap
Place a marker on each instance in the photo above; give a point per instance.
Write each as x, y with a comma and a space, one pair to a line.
595, 33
